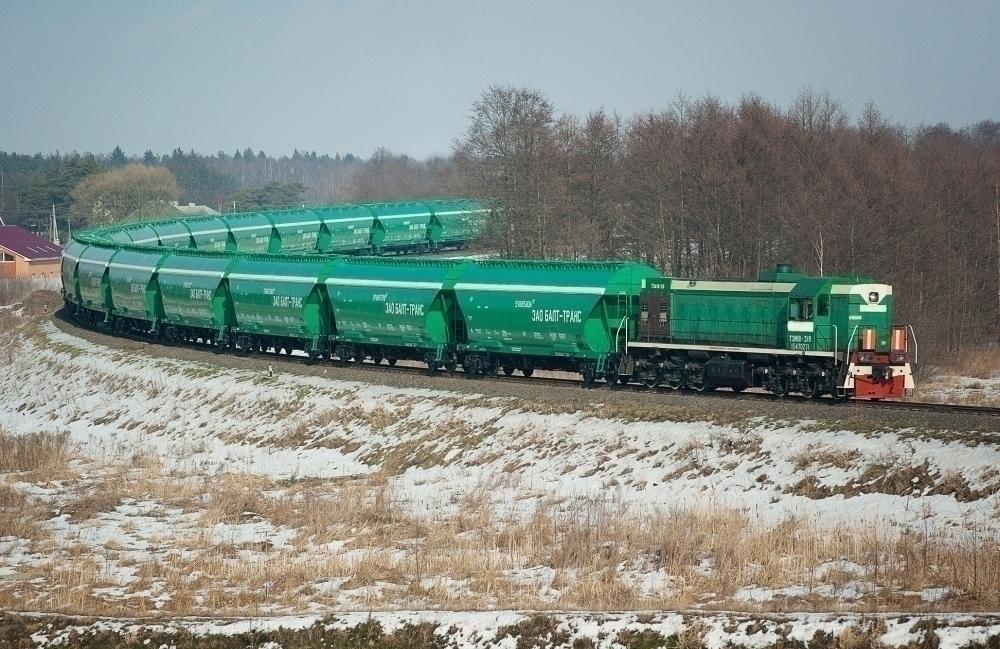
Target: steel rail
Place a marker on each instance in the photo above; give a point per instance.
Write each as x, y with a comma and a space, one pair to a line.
563, 382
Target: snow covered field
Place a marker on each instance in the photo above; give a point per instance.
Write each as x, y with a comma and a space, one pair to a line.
950, 388
149, 484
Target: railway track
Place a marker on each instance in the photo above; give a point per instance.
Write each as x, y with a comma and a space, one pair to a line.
569, 382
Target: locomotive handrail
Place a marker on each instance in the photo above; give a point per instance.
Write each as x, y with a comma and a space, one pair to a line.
916, 347
618, 334
847, 353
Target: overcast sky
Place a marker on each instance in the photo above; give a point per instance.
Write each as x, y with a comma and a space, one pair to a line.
353, 76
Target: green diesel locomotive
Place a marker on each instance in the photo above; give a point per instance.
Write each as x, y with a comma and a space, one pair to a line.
786, 332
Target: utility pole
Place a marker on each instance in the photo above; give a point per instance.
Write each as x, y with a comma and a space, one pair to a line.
54, 227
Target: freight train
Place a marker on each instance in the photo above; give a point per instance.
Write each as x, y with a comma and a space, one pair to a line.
619, 323
364, 228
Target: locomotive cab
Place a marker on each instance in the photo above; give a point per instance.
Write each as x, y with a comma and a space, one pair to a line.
851, 318
808, 326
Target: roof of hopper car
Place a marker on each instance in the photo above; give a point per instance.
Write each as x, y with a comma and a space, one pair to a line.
394, 273
453, 206
278, 268
554, 276
207, 225
142, 234
196, 262
338, 213
294, 217
399, 210
248, 221
171, 233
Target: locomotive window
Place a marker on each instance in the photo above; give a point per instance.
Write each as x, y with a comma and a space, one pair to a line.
663, 312
644, 313
823, 306
800, 309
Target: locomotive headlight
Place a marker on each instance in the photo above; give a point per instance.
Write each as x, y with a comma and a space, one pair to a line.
873, 297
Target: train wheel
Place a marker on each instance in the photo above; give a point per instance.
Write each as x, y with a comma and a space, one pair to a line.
508, 370
674, 382
697, 382
528, 371
377, 357
810, 388
738, 389
589, 375
779, 386
391, 361
651, 381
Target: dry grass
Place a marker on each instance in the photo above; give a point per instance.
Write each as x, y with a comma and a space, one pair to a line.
16, 290
20, 516
100, 499
595, 549
44, 456
981, 363
888, 474
821, 456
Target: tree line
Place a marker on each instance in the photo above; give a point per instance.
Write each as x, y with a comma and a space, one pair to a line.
705, 188
699, 188
30, 185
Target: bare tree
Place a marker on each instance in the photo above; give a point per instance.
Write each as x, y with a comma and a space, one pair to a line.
509, 154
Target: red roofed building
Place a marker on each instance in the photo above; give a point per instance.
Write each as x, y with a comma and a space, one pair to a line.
23, 254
